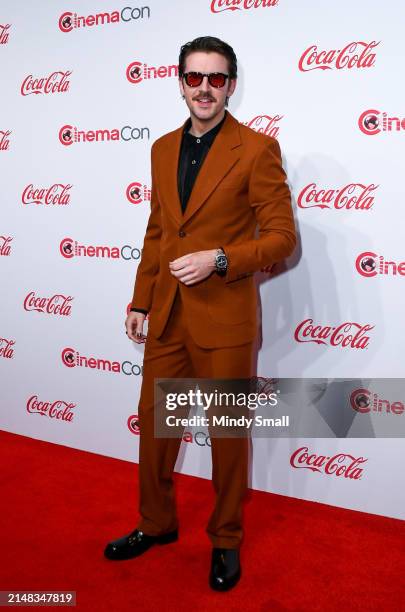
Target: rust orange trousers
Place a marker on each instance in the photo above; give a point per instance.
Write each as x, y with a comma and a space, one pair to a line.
175, 355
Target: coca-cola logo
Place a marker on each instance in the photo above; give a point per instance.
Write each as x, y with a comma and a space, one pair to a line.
56, 82
348, 334
73, 359
70, 248
69, 134
58, 409
370, 264
365, 401
4, 33
356, 54
265, 124
69, 21
138, 71
353, 196
5, 245
56, 194
6, 348
4, 140
133, 424
372, 122
341, 464
137, 193
218, 6
57, 304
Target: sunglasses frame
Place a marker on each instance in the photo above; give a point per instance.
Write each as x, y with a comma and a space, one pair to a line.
205, 74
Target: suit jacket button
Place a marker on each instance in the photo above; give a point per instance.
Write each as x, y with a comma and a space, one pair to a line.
182, 233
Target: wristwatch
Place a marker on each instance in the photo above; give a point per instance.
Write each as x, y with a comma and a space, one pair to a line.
221, 262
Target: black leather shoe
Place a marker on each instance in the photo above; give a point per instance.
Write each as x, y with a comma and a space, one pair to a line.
136, 543
225, 568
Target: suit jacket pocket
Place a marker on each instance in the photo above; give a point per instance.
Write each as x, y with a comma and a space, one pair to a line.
235, 303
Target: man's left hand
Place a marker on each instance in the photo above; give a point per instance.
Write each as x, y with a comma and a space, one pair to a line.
193, 267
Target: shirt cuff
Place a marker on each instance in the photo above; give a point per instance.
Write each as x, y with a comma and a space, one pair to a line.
145, 312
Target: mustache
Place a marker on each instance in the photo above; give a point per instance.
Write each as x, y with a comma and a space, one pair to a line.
204, 96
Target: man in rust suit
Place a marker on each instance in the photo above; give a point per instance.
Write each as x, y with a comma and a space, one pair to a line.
213, 182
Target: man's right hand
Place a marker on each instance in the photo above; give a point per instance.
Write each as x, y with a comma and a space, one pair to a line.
134, 326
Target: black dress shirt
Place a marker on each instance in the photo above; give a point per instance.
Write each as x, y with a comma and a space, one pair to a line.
192, 155
193, 152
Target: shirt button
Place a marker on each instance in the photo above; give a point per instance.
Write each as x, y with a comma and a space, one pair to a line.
193, 162
182, 233
198, 140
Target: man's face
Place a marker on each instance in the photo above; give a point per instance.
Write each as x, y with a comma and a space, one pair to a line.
206, 102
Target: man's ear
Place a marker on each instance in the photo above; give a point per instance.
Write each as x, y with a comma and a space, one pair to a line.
232, 86
181, 87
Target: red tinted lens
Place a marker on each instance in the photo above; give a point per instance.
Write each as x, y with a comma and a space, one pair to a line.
217, 79
193, 79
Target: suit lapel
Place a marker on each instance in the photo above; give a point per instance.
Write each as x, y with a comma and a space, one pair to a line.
170, 166
223, 154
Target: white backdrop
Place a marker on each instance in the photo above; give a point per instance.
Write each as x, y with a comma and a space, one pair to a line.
83, 96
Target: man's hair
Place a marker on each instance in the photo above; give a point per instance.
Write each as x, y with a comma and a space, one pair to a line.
209, 44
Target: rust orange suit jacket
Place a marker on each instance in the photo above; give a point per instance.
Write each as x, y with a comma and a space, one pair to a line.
240, 186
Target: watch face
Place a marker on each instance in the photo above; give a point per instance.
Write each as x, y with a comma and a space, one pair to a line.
221, 262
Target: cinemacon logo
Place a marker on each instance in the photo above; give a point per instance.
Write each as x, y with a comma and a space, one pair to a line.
218, 6
56, 194
56, 82
372, 122
133, 424
59, 409
69, 21
354, 55
201, 438
6, 348
4, 140
137, 72
69, 134
354, 196
5, 245
72, 359
370, 264
341, 464
137, 193
70, 248
57, 304
348, 334
4, 33
365, 401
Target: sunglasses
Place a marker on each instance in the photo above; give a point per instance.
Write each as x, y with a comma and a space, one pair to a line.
215, 79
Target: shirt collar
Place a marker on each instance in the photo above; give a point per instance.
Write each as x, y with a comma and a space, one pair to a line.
206, 138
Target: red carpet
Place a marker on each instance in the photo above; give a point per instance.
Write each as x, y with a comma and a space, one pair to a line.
60, 507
